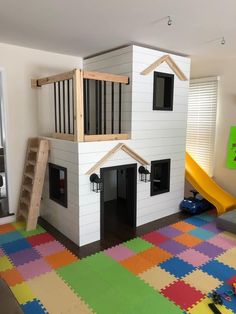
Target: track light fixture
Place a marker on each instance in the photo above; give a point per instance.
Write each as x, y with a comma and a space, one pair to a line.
169, 22
222, 41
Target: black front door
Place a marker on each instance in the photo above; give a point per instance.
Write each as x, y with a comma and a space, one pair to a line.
118, 201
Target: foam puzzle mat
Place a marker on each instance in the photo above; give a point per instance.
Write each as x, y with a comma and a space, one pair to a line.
174, 269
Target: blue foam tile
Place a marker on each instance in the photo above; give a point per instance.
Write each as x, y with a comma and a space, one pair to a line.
15, 246
10, 237
33, 307
177, 267
202, 233
196, 221
218, 270
229, 304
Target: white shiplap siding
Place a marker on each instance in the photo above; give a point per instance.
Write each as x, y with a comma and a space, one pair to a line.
66, 220
155, 135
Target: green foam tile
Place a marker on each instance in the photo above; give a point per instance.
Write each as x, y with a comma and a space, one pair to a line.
27, 234
138, 245
110, 288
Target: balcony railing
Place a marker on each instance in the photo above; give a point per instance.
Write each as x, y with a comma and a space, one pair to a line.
87, 105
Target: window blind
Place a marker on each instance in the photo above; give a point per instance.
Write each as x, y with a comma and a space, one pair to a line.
201, 123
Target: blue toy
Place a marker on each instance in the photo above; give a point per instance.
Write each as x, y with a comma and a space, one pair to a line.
195, 205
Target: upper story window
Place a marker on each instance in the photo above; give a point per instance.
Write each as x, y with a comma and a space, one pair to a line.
163, 90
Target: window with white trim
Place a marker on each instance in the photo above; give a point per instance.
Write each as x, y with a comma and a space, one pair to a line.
201, 123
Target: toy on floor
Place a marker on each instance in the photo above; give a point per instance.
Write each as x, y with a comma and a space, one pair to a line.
217, 299
195, 205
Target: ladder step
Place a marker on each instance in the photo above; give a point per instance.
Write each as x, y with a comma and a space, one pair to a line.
31, 162
27, 187
25, 200
29, 175
34, 149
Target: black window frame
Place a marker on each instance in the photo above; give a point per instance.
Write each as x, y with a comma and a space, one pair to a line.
63, 202
170, 77
153, 164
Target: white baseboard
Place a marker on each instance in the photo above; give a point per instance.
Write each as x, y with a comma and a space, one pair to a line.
7, 220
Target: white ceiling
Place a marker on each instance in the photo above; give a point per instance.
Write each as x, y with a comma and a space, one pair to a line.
82, 28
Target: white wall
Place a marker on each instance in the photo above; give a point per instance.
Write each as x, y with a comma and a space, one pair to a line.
155, 135
226, 115
20, 65
66, 220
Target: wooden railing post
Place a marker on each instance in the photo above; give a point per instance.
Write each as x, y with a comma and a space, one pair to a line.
78, 106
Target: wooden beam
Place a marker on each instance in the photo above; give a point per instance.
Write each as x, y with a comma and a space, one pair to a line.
78, 106
52, 79
134, 155
106, 137
118, 147
154, 65
100, 76
166, 58
176, 69
63, 136
105, 158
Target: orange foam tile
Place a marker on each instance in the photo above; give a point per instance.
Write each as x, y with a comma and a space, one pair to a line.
136, 264
188, 240
6, 228
12, 277
183, 226
60, 259
155, 255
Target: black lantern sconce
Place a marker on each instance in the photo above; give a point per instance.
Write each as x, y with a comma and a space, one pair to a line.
96, 183
144, 174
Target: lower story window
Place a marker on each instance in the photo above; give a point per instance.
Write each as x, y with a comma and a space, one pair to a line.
160, 176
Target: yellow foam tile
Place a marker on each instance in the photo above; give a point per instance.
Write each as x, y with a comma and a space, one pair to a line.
157, 277
203, 308
202, 281
56, 296
228, 258
22, 293
5, 263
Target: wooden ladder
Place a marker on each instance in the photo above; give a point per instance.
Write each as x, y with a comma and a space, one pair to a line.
33, 179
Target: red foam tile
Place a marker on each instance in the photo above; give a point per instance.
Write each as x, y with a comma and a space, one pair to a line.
231, 280
182, 294
40, 239
155, 237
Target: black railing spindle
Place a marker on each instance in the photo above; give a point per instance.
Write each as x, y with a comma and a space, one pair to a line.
68, 105
96, 104
112, 107
64, 106
55, 105
105, 106
59, 104
119, 107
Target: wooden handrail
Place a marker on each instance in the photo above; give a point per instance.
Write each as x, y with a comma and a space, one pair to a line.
100, 76
52, 79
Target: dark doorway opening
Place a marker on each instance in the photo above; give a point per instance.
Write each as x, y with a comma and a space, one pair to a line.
118, 201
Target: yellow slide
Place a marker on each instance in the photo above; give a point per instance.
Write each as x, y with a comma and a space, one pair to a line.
207, 187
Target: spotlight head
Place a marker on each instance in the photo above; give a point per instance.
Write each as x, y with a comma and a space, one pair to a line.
169, 22
222, 41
